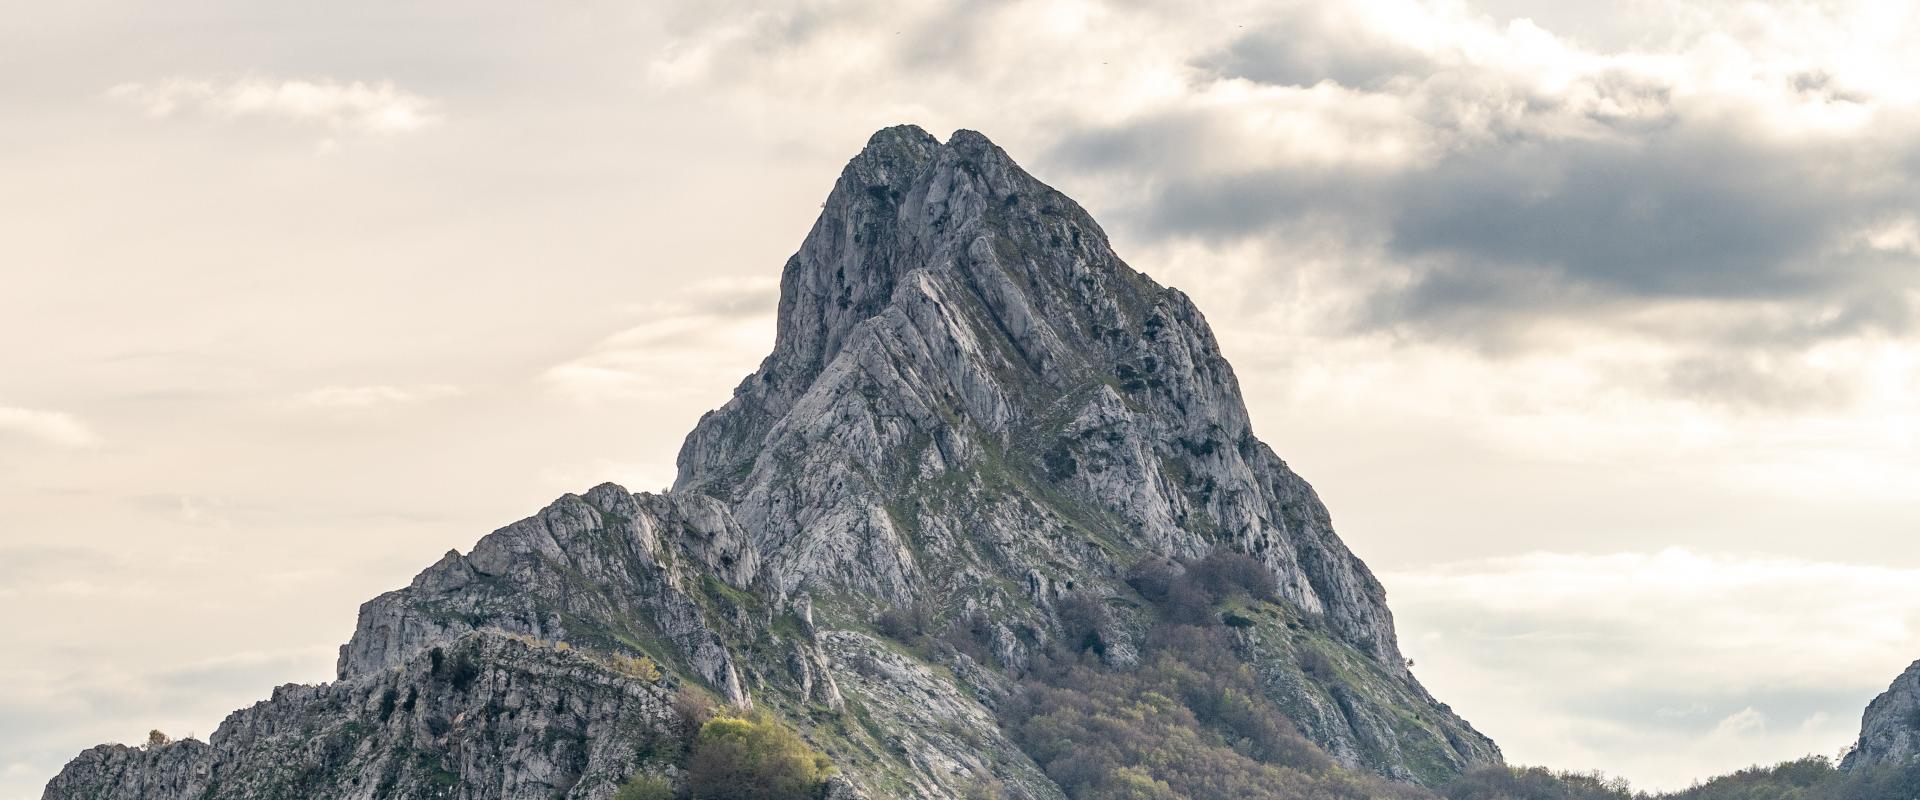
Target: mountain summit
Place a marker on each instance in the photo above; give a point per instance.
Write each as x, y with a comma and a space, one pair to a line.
982, 451
966, 376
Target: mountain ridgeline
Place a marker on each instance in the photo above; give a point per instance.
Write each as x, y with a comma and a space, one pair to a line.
989, 521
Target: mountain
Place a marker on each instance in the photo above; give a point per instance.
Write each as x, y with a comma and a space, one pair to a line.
988, 467
1890, 728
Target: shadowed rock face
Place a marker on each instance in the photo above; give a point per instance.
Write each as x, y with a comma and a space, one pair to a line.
1890, 728
972, 405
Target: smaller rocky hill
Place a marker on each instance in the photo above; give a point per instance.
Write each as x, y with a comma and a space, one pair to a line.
1890, 729
509, 713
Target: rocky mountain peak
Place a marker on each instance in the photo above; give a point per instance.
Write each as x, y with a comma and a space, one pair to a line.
974, 414
950, 320
907, 204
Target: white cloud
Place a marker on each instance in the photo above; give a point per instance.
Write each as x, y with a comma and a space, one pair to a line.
682, 343
1664, 667
344, 107
48, 427
1368, 127
1745, 722
359, 398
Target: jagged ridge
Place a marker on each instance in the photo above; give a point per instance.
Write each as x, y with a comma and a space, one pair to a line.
972, 404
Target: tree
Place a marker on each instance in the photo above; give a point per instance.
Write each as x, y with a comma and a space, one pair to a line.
645, 787
694, 707
737, 758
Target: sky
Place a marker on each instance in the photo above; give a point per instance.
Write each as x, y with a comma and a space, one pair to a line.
1597, 329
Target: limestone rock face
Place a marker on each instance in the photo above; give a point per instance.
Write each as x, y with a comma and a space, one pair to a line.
484, 716
973, 407
586, 570
964, 371
1890, 729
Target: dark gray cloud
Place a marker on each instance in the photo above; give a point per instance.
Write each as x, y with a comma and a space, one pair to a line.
1520, 221
1742, 381
1820, 84
1675, 213
1305, 50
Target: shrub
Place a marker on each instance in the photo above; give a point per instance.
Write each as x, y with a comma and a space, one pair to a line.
640, 667
693, 706
1534, 783
645, 787
1153, 577
1188, 604
971, 633
1810, 778
737, 758
1316, 663
1190, 721
1872, 783
1225, 573
1083, 623
905, 624
984, 789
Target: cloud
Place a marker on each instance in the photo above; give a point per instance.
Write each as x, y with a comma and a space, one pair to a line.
1523, 177
1702, 178
363, 398
1532, 225
1308, 44
1669, 665
34, 565
378, 108
46, 427
1745, 722
709, 326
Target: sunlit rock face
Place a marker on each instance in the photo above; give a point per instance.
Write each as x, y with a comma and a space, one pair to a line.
972, 407
1890, 729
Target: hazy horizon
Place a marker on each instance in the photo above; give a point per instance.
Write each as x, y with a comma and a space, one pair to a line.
1596, 332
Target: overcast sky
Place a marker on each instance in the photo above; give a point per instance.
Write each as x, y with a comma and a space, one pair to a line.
1597, 331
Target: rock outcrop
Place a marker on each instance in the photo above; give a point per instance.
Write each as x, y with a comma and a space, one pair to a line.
973, 407
1890, 728
482, 716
